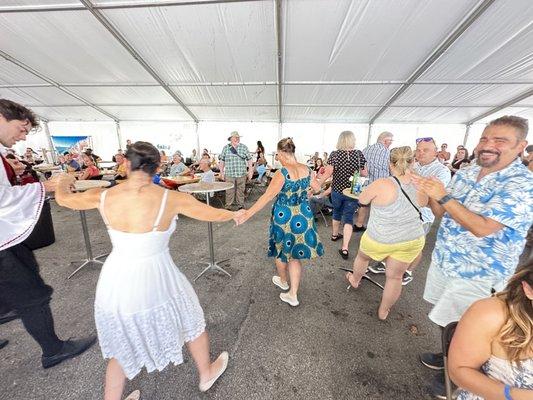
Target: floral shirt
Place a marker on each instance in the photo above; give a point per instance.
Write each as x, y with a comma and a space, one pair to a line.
505, 196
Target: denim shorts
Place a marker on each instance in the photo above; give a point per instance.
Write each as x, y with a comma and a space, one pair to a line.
343, 207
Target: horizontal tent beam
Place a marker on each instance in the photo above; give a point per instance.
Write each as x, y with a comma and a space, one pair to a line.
436, 54
45, 78
241, 105
267, 83
123, 5
508, 103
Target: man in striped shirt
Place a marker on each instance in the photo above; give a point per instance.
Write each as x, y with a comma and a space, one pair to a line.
377, 164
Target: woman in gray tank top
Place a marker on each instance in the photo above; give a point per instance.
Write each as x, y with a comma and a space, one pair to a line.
394, 232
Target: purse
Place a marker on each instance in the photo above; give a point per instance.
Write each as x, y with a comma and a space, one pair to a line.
408, 198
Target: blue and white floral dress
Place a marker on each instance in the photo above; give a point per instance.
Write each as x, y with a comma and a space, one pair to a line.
519, 376
293, 233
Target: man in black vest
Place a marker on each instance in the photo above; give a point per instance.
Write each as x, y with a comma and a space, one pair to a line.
22, 288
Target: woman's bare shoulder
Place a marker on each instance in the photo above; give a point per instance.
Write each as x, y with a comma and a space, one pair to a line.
490, 312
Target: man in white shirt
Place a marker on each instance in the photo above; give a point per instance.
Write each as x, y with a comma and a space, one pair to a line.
22, 288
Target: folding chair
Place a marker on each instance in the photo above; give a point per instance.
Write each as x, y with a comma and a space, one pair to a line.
447, 335
323, 217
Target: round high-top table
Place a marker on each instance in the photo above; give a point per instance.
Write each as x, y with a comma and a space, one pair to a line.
208, 188
82, 186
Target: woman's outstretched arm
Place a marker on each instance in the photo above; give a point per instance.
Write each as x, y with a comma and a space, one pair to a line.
76, 201
273, 189
186, 204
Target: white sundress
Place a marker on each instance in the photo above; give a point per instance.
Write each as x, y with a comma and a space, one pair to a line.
145, 308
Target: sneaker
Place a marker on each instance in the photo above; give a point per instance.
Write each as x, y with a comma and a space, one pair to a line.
293, 301
378, 268
432, 360
407, 277
438, 387
276, 280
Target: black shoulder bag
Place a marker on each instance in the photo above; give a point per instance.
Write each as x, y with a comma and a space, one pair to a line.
408, 198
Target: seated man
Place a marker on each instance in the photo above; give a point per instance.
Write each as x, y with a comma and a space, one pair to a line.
178, 168
72, 165
208, 176
91, 171
321, 200
120, 167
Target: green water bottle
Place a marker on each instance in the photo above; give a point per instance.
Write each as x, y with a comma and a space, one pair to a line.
355, 183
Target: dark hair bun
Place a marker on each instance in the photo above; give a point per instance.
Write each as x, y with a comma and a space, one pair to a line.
143, 156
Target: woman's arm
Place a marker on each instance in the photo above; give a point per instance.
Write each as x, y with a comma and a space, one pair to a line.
471, 347
186, 204
273, 189
369, 193
185, 171
76, 201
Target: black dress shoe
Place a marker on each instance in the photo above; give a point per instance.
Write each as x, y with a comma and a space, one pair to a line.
3, 343
9, 316
71, 348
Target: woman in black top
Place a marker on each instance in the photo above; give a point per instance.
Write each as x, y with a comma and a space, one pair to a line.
460, 158
342, 163
260, 150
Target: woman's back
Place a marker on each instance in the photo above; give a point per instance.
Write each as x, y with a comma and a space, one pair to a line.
345, 163
393, 218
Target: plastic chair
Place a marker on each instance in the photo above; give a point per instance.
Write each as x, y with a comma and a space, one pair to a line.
447, 335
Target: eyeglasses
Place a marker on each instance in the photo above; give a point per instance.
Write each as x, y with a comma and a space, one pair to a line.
425, 139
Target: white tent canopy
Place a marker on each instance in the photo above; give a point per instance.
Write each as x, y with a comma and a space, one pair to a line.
179, 67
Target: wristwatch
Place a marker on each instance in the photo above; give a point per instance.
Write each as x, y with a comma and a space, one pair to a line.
446, 198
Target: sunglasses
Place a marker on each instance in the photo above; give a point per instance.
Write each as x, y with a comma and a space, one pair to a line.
425, 139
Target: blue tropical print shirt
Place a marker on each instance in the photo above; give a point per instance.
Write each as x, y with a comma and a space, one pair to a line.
505, 196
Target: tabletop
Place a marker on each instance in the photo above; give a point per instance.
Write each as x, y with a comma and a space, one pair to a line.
204, 187
82, 186
348, 192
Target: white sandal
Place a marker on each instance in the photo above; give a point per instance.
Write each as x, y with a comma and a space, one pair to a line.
204, 387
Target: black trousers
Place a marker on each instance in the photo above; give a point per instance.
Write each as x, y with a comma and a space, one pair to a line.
22, 289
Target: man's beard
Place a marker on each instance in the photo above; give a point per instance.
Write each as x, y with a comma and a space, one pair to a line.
487, 164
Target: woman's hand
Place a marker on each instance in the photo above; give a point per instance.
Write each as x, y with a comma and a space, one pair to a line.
241, 216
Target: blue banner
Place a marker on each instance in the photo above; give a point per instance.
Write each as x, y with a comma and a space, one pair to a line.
68, 143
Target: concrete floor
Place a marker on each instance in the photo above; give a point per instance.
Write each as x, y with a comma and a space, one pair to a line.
330, 347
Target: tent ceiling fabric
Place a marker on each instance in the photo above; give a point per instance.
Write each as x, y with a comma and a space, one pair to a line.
341, 60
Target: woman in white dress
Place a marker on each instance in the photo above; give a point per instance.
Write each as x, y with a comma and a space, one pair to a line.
145, 309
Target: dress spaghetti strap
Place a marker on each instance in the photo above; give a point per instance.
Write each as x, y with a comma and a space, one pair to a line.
101, 207
161, 210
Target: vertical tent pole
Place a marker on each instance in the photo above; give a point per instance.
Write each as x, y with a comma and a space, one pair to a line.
198, 154
369, 134
49, 140
119, 135
467, 133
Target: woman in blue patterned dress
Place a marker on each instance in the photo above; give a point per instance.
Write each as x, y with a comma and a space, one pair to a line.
293, 235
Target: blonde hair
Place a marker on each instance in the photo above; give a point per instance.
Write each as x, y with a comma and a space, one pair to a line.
346, 141
402, 158
516, 335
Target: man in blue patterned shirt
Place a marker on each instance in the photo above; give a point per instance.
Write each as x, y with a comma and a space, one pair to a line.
486, 211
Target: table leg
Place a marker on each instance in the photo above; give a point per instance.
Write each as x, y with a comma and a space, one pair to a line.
212, 264
88, 248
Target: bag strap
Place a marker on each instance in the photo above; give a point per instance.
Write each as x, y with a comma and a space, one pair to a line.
234, 151
408, 198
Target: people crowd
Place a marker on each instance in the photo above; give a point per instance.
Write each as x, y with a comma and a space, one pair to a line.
483, 206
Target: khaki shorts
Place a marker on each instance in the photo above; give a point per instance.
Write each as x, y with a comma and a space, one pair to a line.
403, 251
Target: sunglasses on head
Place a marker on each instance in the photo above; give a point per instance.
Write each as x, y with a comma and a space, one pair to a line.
425, 139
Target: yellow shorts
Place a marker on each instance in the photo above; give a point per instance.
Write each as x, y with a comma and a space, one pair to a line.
403, 251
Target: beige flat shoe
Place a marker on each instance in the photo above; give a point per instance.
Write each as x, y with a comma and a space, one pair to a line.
205, 386
292, 301
135, 395
276, 280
